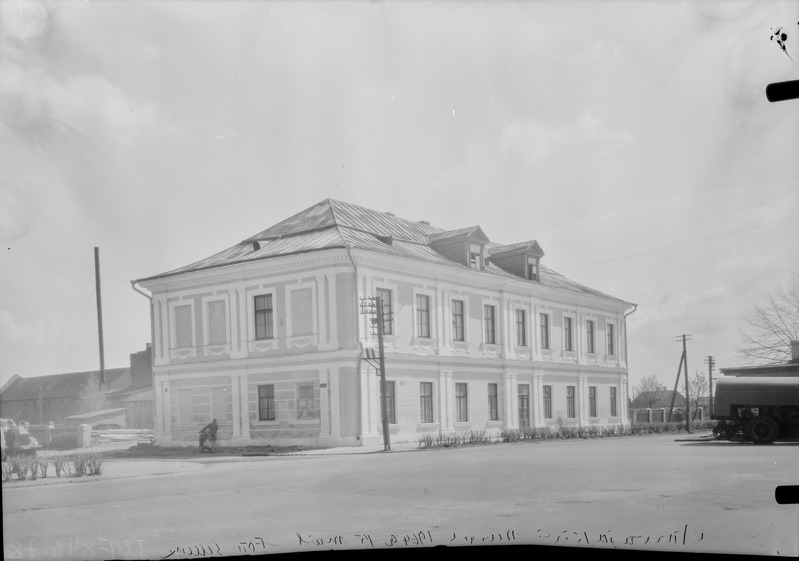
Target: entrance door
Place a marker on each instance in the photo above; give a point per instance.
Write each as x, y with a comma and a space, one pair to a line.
219, 404
524, 406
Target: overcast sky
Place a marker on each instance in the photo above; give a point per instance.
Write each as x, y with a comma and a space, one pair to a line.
632, 140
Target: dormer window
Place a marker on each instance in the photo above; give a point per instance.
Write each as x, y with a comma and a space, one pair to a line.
476, 256
531, 268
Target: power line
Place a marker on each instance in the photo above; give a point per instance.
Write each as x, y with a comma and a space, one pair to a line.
679, 244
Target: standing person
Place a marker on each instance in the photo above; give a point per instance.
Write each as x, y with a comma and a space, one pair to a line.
208, 433
12, 438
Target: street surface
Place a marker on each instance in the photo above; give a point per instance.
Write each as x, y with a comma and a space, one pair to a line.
634, 493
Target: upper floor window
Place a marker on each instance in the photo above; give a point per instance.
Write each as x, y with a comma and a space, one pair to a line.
422, 315
531, 268
611, 339
457, 320
521, 328
217, 322
544, 328
264, 317
184, 332
302, 316
568, 334
385, 296
590, 333
476, 256
490, 324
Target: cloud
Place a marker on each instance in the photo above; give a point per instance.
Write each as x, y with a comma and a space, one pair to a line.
535, 141
17, 211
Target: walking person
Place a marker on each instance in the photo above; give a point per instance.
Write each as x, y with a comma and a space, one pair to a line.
208, 433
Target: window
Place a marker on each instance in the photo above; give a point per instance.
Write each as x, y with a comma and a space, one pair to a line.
544, 325
521, 329
531, 270
391, 405
493, 410
264, 316
613, 402
461, 403
302, 312
547, 402
183, 327
570, 411
217, 323
422, 315
589, 337
611, 340
385, 295
568, 340
592, 401
426, 401
490, 324
457, 320
307, 402
476, 256
266, 402
524, 406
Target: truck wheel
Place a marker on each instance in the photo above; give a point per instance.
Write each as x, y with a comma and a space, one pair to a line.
762, 429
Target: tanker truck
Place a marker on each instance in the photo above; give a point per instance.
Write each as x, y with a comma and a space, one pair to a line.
758, 403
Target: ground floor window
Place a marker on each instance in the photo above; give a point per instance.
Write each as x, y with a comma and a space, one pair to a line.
266, 402
524, 406
307, 402
547, 402
493, 409
391, 405
592, 400
426, 401
461, 403
613, 402
570, 409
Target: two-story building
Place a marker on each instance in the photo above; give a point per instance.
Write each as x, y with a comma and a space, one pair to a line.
267, 336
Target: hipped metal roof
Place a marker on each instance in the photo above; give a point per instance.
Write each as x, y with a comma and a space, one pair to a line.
332, 224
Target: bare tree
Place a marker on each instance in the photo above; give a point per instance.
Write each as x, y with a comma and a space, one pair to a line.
92, 397
649, 391
698, 386
772, 326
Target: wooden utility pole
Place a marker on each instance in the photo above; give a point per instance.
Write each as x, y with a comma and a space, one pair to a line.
373, 307
99, 315
710, 362
676, 385
684, 361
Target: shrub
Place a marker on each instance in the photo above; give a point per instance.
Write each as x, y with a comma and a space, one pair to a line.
61, 465
8, 469
42, 463
21, 465
79, 462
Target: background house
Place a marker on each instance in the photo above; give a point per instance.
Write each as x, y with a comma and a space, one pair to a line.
44, 399
268, 336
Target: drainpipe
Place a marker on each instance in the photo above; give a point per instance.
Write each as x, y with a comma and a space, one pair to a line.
150, 298
348, 249
626, 359
152, 346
